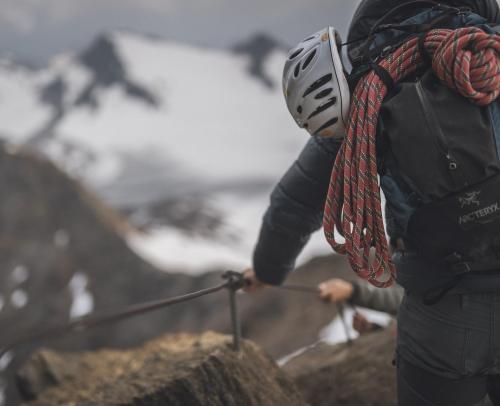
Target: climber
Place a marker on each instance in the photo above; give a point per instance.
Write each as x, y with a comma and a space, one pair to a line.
360, 293
443, 233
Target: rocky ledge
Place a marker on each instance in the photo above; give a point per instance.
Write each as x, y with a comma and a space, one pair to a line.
174, 370
360, 373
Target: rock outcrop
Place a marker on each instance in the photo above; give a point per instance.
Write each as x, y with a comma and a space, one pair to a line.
54, 233
58, 241
52, 229
354, 374
188, 370
178, 370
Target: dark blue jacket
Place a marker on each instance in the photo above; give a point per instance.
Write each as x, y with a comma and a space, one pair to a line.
296, 211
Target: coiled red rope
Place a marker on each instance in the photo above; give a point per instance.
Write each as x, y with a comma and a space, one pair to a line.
467, 60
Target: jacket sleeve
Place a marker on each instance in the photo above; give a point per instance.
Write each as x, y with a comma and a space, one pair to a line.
383, 300
295, 211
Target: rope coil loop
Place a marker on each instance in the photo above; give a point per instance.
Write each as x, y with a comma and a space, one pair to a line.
467, 60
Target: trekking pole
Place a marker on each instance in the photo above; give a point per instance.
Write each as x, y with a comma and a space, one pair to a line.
341, 311
236, 281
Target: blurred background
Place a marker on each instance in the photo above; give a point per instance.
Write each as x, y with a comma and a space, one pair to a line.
139, 143
36, 30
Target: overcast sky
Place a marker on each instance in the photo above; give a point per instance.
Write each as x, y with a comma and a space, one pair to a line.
34, 30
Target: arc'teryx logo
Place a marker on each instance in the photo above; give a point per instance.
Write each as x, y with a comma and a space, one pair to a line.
470, 199
484, 215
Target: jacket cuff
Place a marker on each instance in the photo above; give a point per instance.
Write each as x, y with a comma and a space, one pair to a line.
274, 257
356, 290
271, 274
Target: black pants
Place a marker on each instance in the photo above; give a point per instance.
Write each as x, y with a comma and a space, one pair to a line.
418, 387
449, 353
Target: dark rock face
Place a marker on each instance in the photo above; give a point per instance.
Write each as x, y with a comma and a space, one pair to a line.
348, 375
53, 93
53, 228
176, 370
103, 60
194, 217
53, 231
258, 48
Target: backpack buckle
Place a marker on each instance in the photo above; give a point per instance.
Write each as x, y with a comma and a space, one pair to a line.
461, 268
457, 264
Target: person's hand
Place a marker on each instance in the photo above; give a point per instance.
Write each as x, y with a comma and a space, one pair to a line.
336, 290
252, 283
362, 325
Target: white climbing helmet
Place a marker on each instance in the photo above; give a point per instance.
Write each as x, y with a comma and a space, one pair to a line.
315, 88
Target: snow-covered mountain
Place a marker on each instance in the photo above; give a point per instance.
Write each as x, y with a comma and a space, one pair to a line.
186, 140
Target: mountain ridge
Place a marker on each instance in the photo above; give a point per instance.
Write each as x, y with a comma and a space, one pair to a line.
151, 124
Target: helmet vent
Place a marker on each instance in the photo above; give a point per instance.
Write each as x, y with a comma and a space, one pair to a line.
299, 109
327, 124
309, 38
323, 93
316, 85
323, 107
309, 59
296, 54
297, 70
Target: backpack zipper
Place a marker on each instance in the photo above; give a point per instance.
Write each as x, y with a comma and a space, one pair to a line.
435, 128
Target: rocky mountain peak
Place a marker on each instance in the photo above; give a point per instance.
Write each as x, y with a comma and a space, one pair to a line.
103, 60
260, 45
258, 48
53, 93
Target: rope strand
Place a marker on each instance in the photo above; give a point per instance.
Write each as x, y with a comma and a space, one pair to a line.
468, 61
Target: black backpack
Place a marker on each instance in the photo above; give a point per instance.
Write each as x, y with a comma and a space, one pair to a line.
446, 154
443, 155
